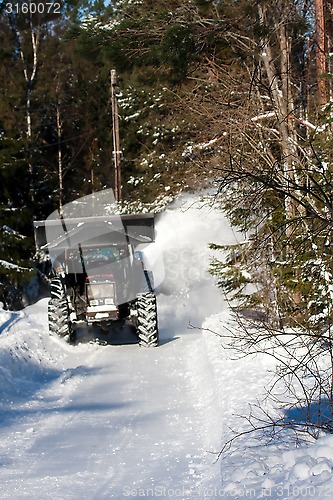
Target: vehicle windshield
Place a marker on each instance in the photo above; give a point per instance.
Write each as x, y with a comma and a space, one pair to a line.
80, 260
103, 254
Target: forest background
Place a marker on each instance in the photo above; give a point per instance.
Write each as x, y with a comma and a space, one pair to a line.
234, 93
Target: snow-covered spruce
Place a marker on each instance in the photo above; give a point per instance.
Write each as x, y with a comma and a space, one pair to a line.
58, 311
147, 327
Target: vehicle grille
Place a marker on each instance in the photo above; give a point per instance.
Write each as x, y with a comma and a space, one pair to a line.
96, 291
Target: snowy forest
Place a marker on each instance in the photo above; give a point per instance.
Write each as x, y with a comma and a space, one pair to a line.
225, 105
231, 93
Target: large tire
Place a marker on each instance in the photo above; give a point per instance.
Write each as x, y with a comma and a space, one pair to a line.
57, 288
147, 327
58, 310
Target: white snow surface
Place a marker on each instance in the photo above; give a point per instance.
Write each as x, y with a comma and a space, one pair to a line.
95, 421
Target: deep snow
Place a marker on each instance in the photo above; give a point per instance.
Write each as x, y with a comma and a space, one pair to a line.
117, 421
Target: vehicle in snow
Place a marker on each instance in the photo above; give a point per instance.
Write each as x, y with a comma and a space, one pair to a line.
98, 273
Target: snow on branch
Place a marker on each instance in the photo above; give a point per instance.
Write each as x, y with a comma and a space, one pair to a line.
264, 116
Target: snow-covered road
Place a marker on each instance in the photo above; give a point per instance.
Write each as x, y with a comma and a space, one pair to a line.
113, 421
95, 421
105, 421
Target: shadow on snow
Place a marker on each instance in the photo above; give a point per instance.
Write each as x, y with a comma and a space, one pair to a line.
317, 414
14, 318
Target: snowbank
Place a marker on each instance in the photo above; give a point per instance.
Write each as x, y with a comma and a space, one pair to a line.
260, 464
29, 357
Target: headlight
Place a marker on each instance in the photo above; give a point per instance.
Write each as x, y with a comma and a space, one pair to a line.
109, 301
94, 302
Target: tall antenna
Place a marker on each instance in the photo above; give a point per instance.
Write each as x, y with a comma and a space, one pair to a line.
116, 139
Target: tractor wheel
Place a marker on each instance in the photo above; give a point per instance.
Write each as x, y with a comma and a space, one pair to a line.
57, 288
147, 328
58, 311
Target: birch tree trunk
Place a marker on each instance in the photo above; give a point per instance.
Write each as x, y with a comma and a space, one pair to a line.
60, 163
30, 77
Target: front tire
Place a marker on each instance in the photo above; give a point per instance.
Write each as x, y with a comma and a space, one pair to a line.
147, 326
58, 311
